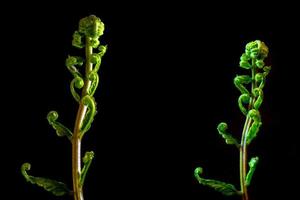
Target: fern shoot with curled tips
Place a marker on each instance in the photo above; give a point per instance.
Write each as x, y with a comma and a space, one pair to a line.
249, 102
83, 87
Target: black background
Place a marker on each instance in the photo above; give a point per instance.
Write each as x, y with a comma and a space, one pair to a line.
166, 82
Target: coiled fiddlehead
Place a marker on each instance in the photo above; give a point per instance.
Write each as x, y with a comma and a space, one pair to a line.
93, 76
239, 82
252, 164
91, 26
259, 95
77, 40
61, 130
249, 102
254, 128
87, 160
77, 81
244, 99
229, 139
90, 114
71, 63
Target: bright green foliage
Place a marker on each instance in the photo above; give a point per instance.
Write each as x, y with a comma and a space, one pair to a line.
251, 87
89, 117
252, 164
87, 160
229, 139
91, 26
240, 80
77, 82
83, 87
254, 128
61, 130
96, 59
224, 188
250, 102
77, 40
90, 29
55, 187
243, 99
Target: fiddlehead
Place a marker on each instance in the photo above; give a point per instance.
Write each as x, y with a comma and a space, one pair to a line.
244, 61
93, 75
260, 80
96, 60
78, 83
254, 128
77, 40
259, 95
90, 114
257, 50
71, 62
94, 78
91, 26
229, 139
87, 160
60, 129
244, 99
102, 50
252, 164
239, 82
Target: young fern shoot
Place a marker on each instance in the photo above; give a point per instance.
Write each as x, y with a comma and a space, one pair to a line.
83, 86
249, 103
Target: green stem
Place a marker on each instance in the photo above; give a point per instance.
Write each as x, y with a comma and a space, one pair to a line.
76, 139
243, 159
243, 147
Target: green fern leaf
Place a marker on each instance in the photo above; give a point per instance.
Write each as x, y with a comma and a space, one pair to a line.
252, 164
55, 187
224, 188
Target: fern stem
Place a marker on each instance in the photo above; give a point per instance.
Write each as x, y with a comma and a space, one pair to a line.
76, 140
243, 160
243, 147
